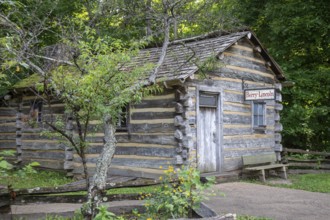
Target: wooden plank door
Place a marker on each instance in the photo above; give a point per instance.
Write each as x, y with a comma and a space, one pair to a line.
207, 150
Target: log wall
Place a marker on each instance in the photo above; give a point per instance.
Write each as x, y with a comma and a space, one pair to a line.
8, 131
20, 131
241, 68
147, 147
35, 146
162, 129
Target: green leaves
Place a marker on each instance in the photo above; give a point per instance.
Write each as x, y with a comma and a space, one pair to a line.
296, 34
100, 79
7, 153
104, 214
306, 113
181, 191
7, 168
5, 165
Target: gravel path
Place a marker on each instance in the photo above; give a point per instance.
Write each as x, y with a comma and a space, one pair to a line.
272, 202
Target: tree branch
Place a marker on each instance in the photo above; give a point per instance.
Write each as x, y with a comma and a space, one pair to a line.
51, 59
35, 67
11, 24
70, 139
153, 75
80, 133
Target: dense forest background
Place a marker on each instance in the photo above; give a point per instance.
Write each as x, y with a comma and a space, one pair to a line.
296, 33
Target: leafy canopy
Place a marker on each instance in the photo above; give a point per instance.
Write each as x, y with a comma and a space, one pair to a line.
296, 32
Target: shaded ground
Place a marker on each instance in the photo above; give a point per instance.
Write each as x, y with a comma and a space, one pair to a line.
39, 211
240, 198
272, 202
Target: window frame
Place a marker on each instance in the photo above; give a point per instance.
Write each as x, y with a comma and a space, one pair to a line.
256, 116
123, 119
212, 95
36, 111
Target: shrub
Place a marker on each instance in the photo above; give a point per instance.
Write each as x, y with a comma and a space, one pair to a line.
181, 192
8, 170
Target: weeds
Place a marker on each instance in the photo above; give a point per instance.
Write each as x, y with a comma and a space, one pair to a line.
36, 179
181, 191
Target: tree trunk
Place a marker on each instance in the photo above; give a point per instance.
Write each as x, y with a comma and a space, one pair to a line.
96, 191
148, 18
84, 163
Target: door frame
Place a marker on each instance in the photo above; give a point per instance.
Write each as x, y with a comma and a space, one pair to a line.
219, 122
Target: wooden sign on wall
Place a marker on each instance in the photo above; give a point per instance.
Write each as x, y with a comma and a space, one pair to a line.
259, 94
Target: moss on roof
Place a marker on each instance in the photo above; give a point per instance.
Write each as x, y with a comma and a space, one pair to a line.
27, 82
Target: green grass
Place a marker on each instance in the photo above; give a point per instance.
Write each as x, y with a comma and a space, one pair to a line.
39, 179
319, 182
134, 190
310, 182
126, 190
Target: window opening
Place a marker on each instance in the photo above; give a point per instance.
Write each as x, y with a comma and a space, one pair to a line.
36, 111
208, 100
122, 119
259, 111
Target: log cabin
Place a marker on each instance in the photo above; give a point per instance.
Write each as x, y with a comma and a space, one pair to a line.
221, 100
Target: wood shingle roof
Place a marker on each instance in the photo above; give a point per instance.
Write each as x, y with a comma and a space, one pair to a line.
182, 57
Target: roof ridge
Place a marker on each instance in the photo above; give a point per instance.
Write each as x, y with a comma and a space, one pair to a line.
213, 34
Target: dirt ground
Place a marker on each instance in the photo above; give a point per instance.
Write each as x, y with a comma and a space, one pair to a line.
272, 202
39, 211
240, 198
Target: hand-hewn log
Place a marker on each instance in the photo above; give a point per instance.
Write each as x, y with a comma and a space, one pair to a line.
134, 182
278, 86
185, 115
178, 159
278, 97
278, 147
178, 149
181, 93
221, 56
19, 151
179, 108
186, 129
68, 165
178, 121
22, 200
19, 124
268, 64
277, 116
18, 133
188, 142
278, 137
69, 155
278, 127
278, 107
178, 134
246, 73
188, 102
153, 128
18, 141
149, 115
257, 49
184, 154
